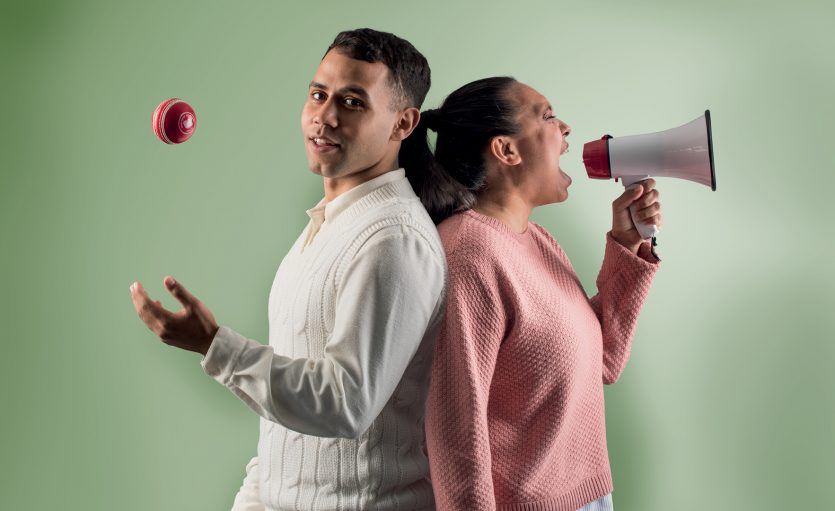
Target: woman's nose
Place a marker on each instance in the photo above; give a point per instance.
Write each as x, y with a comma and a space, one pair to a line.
566, 129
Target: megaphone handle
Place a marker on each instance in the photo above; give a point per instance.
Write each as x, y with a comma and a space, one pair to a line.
646, 231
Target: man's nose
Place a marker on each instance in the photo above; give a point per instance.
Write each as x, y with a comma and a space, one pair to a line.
326, 114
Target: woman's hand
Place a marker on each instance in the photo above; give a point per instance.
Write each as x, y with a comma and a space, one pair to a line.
648, 211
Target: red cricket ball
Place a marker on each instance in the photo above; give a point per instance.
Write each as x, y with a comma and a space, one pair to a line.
174, 121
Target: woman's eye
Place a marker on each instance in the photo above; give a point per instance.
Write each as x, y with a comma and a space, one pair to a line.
548, 117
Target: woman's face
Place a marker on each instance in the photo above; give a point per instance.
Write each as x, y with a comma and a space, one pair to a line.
540, 143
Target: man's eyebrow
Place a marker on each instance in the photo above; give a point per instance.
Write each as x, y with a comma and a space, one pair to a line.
352, 89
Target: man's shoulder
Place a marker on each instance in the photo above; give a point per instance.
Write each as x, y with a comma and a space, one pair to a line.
400, 244
402, 217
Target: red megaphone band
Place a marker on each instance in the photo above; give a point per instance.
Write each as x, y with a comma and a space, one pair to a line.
596, 158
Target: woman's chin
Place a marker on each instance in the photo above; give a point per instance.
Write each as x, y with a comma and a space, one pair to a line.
557, 197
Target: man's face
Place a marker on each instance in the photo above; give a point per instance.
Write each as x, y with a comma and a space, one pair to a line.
348, 119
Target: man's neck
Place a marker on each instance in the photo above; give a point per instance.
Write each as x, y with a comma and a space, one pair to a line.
336, 186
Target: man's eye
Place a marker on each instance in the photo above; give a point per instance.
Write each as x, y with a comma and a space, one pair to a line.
353, 102
317, 95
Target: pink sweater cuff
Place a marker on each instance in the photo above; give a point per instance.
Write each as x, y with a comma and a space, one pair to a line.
619, 260
644, 250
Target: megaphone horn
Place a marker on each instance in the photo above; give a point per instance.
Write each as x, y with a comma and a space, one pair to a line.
685, 152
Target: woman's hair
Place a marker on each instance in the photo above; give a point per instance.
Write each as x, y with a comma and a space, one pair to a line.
468, 119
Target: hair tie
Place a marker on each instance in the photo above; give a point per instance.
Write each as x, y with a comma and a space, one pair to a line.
430, 118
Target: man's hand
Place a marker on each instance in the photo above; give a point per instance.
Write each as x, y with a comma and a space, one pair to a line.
191, 328
647, 209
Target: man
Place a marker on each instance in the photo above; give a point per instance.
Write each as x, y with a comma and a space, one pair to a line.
353, 310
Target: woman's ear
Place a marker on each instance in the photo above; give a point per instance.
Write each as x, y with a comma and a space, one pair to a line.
504, 149
406, 123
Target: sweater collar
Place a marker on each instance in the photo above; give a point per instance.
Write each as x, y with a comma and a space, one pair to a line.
393, 182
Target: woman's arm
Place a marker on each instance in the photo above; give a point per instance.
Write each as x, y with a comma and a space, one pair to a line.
625, 277
622, 286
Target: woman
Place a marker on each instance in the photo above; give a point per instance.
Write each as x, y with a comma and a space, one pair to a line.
515, 414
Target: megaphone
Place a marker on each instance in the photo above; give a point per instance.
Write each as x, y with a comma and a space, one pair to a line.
685, 152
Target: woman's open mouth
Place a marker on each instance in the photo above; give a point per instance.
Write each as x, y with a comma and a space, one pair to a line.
566, 175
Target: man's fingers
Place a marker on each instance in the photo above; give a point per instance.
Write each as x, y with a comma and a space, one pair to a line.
141, 302
151, 312
180, 292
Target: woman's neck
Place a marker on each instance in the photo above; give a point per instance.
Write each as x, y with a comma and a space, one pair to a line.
510, 208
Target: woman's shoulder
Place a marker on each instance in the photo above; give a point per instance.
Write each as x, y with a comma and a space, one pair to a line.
466, 238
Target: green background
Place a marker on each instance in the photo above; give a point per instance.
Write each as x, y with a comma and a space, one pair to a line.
727, 401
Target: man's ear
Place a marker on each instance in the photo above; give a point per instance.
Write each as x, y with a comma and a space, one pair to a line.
504, 149
406, 123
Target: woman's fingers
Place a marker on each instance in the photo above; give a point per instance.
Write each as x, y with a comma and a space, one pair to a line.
644, 214
626, 198
647, 198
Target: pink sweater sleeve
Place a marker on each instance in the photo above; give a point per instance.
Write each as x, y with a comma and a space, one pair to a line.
622, 286
465, 355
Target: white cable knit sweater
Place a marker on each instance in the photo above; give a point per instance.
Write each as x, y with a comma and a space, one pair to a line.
353, 313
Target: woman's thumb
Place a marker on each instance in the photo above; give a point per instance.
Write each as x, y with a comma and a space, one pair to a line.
628, 196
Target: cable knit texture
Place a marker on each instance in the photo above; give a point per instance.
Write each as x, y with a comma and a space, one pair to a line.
515, 414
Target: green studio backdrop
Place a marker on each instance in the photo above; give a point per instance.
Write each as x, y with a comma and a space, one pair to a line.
727, 400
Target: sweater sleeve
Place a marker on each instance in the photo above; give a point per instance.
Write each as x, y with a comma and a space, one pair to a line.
388, 294
622, 286
464, 359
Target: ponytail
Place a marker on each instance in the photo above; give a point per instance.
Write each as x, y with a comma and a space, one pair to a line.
439, 192
449, 180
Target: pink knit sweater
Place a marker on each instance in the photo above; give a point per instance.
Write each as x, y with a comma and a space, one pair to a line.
515, 413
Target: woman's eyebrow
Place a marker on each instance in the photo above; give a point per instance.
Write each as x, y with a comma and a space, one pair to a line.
542, 107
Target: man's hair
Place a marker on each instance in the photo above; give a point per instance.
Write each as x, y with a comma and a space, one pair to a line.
409, 74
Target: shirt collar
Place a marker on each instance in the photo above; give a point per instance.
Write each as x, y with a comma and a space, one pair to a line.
317, 212
328, 211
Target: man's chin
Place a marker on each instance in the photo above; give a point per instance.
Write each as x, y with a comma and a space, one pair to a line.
321, 168
328, 171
